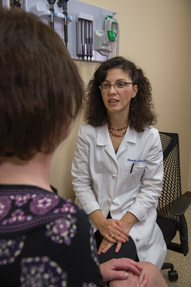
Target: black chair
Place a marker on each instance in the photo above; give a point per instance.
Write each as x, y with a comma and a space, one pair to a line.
172, 203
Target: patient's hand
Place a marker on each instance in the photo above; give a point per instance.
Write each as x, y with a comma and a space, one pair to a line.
132, 281
118, 269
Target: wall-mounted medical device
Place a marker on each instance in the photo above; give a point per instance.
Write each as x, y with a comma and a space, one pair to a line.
63, 4
84, 36
53, 13
90, 33
106, 40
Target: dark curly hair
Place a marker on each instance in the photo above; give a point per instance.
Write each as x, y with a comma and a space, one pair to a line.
141, 108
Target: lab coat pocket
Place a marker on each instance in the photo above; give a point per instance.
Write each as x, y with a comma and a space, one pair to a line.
132, 174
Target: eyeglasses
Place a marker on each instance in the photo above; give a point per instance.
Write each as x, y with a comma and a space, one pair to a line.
117, 85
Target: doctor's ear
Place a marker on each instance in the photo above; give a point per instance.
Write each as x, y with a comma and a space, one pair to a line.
135, 90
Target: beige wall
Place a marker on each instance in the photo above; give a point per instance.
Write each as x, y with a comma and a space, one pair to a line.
156, 35
62, 160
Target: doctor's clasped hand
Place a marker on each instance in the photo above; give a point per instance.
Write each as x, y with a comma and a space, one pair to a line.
126, 223
112, 230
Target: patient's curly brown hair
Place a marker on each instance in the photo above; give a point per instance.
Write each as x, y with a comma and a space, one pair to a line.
141, 112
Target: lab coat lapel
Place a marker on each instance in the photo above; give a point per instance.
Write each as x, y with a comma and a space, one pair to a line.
103, 139
130, 137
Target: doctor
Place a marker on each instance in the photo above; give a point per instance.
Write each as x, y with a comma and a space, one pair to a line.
118, 165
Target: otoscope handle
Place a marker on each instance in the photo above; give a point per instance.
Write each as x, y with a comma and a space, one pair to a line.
63, 4
52, 2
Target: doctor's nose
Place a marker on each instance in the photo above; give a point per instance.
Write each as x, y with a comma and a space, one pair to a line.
112, 89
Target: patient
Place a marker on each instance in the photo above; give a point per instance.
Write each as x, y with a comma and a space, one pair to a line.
45, 240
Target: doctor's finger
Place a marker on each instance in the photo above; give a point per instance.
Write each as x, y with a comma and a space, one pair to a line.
119, 244
103, 245
107, 247
121, 231
120, 236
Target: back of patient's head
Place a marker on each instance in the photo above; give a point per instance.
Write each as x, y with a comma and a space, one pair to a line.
40, 88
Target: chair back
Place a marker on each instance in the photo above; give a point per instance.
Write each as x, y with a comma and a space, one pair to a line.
171, 181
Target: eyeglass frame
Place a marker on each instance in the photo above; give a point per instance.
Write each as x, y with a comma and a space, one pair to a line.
114, 85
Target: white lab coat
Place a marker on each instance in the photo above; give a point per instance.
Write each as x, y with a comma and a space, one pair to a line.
103, 179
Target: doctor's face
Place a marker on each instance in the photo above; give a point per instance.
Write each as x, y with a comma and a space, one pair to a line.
117, 91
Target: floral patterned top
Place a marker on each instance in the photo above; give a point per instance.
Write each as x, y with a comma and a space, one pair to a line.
45, 241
